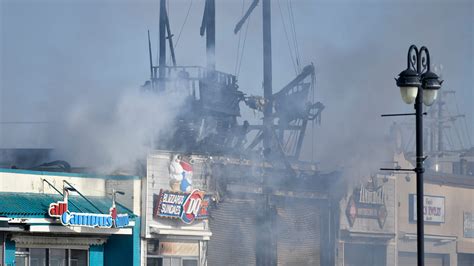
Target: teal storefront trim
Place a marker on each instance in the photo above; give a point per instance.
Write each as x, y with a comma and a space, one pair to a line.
10, 248
96, 255
136, 242
123, 249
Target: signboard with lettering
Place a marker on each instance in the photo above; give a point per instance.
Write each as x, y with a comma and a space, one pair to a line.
468, 224
181, 205
112, 219
368, 204
433, 208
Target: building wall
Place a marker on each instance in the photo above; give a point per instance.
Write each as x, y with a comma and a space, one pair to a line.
367, 232
446, 237
12, 180
96, 255
32, 181
165, 237
372, 225
157, 179
119, 249
457, 201
132, 189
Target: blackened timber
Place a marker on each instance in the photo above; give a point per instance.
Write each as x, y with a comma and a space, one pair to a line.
307, 71
211, 35
266, 254
208, 27
170, 39
162, 28
267, 75
300, 138
245, 17
151, 56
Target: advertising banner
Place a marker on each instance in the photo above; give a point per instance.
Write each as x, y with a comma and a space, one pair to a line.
468, 224
60, 211
181, 205
433, 208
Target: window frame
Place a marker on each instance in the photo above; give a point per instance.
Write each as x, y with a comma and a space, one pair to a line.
26, 252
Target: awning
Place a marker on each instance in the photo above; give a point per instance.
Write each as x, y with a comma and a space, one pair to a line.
36, 205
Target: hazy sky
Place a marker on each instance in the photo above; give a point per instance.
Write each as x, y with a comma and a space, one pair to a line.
57, 53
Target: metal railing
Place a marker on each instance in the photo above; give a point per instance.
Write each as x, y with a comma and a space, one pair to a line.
193, 73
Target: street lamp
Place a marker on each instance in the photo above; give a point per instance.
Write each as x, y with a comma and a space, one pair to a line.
114, 195
418, 84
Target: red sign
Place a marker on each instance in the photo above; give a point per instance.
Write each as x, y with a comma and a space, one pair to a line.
57, 209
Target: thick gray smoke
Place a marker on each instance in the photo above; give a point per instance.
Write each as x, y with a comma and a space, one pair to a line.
116, 136
68, 64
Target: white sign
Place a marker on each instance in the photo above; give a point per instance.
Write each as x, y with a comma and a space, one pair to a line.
469, 224
433, 208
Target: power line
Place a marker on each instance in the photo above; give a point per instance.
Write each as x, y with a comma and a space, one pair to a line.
243, 46
295, 39
184, 23
468, 137
238, 44
287, 39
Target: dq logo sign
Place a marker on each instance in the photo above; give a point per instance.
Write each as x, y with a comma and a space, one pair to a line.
184, 206
192, 206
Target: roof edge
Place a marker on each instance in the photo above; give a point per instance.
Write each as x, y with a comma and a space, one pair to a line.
80, 175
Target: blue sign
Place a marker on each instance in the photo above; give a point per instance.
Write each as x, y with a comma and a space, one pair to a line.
60, 210
87, 219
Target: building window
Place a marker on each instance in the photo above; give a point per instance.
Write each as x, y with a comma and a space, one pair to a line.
38, 256
78, 257
373, 255
190, 262
171, 261
50, 257
22, 257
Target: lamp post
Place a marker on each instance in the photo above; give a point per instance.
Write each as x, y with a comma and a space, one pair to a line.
418, 84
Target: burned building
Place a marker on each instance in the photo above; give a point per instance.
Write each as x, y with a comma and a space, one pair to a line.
251, 212
220, 192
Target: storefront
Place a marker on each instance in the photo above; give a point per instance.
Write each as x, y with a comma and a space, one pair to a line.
448, 220
175, 203
203, 210
289, 222
57, 218
47, 229
367, 224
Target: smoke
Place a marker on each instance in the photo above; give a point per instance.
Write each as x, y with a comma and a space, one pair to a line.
116, 136
74, 73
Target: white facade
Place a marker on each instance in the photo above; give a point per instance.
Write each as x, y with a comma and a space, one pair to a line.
12, 180
170, 240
